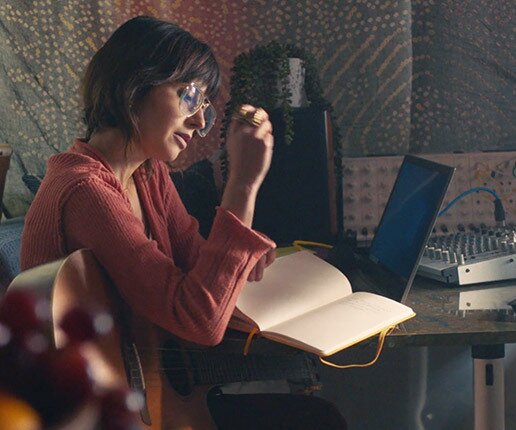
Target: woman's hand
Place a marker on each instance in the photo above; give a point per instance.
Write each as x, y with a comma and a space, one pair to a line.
249, 148
249, 152
266, 260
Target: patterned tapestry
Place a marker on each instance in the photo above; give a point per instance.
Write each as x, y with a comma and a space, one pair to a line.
402, 76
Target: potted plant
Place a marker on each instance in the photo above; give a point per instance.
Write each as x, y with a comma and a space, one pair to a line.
260, 77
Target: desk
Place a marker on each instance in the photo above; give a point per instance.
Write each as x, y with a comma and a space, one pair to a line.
439, 322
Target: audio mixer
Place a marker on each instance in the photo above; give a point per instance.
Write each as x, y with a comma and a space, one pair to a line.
463, 250
464, 258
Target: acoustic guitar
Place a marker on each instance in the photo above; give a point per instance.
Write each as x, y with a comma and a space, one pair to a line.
173, 376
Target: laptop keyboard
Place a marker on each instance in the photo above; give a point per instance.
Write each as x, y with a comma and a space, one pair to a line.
366, 282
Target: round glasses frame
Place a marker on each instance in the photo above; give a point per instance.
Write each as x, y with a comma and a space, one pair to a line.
185, 103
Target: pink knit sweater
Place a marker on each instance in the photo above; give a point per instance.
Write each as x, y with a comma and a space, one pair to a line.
178, 280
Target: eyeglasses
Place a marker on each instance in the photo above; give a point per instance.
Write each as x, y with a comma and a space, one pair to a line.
191, 100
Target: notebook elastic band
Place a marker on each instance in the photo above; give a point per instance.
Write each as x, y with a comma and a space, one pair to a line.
249, 340
381, 340
300, 244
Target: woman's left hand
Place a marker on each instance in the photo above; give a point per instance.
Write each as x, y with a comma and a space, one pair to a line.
265, 261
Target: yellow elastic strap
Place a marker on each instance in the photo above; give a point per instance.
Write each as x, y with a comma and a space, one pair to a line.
381, 340
249, 339
300, 244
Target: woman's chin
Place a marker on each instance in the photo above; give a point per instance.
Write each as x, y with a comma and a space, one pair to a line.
171, 153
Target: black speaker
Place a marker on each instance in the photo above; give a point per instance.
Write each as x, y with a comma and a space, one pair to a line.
300, 196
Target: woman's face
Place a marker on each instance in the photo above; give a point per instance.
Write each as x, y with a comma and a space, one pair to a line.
165, 130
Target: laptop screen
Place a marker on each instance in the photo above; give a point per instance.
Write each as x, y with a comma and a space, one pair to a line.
409, 217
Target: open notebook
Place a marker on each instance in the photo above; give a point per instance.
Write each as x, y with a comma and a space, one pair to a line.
305, 302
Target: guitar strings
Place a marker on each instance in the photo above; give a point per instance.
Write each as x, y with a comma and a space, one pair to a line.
208, 352
258, 367
211, 374
201, 369
297, 366
285, 363
282, 373
251, 360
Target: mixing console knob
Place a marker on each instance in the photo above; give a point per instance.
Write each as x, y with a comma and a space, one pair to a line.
446, 256
453, 257
461, 259
482, 244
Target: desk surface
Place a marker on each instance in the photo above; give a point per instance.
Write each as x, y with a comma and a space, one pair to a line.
438, 320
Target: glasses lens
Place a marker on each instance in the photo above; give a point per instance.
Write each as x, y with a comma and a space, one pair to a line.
191, 100
210, 115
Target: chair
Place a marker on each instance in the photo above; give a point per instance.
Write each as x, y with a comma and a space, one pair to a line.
273, 411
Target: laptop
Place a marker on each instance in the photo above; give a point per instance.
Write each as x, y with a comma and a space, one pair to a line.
389, 265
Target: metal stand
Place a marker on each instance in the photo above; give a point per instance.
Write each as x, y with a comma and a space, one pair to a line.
488, 386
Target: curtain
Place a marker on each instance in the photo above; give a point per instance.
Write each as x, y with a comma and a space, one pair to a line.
402, 76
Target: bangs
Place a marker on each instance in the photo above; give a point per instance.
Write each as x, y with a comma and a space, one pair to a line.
198, 65
204, 70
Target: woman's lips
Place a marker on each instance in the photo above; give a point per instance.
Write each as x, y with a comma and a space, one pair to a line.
183, 139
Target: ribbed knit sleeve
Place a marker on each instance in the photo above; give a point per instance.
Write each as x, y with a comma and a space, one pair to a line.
195, 304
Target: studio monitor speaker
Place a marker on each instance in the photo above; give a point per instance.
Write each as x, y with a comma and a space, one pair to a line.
299, 198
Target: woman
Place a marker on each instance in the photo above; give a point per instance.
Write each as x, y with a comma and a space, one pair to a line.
146, 96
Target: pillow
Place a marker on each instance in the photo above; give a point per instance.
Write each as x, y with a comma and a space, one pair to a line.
10, 238
32, 182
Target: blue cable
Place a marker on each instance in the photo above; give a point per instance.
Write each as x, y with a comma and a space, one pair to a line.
464, 194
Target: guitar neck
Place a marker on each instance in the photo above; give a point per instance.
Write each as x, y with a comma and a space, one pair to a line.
218, 368
186, 368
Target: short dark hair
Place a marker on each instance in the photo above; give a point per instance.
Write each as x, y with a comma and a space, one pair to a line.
140, 54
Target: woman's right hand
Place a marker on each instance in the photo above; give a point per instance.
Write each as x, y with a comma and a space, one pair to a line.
249, 150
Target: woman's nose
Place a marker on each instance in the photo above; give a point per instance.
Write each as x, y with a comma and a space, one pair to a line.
197, 120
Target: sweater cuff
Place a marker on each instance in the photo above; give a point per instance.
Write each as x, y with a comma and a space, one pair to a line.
227, 222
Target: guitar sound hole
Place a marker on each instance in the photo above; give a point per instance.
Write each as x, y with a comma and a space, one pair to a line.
176, 368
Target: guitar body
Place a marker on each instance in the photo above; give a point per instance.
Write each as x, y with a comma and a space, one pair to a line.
129, 354
166, 408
